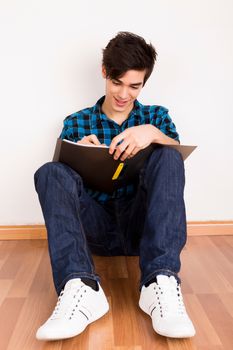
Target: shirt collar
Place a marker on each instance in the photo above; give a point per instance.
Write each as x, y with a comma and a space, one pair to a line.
98, 115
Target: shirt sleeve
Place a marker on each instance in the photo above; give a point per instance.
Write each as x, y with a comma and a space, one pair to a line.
162, 120
67, 131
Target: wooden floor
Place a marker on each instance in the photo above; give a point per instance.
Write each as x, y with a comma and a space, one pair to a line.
27, 297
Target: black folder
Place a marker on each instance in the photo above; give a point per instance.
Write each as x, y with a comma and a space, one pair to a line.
97, 167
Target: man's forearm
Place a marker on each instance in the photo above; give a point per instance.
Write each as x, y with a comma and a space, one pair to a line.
160, 137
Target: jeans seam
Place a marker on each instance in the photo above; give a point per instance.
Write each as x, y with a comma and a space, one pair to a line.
81, 225
77, 275
155, 273
78, 180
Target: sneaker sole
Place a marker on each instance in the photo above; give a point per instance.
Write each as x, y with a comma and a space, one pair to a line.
164, 334
71, 335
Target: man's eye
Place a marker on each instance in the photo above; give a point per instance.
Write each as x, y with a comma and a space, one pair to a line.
115, 83
135, 87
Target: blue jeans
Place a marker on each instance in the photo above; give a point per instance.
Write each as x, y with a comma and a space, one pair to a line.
151, 224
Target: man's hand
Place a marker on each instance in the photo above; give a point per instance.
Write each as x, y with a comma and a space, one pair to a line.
136, 138
133, 140
90, 140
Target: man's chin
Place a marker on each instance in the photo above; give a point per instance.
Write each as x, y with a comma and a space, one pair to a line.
118, 108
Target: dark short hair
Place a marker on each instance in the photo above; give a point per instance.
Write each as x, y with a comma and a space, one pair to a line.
128, 51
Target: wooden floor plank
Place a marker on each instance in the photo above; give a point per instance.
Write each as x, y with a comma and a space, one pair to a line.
117, 268
227, 300
9, 313
23, 335
126, 330
206, 333
127, 348
193, 274
181, 344
55, 345
41, 300
6, 248
220, 269
217, 275
27, 269
27, 297
5, 286
219, 317
80, 342
12, 264
224, 244
101, 333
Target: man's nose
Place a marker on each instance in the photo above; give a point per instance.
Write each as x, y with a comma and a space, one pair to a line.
123, 93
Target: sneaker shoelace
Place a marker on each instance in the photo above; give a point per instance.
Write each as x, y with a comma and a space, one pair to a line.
169, 299
68, 302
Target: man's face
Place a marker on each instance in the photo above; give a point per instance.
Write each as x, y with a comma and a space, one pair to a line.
122, 92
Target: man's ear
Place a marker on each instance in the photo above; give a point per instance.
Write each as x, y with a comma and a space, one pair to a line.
104, 74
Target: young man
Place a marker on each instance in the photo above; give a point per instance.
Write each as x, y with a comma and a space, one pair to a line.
145, 218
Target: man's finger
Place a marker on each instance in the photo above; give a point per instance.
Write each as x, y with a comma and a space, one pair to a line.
90, 139
120, 149
134, 152
93, 138
128, 152
115, 141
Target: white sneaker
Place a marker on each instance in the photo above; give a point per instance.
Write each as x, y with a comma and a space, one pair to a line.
77, 306
164, 303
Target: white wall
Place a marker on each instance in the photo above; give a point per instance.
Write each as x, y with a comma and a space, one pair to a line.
50, 67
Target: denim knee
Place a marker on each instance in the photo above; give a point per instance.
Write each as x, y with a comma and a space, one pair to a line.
165, 157
59, 171
166, 152
49, 167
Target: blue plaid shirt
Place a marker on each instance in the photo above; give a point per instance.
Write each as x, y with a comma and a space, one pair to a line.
92, 120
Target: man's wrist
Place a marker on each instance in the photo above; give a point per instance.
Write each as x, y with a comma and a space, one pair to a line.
160, 137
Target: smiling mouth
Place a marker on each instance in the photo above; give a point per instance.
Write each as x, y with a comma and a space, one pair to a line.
120, 103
